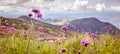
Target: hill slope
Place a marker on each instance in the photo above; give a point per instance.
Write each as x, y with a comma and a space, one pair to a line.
23, 23
90, 25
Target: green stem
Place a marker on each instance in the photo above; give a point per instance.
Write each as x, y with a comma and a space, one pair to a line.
32, 28
83, 50
94, 46
29, 39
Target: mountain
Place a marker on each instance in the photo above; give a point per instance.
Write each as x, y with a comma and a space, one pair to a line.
27, 19
10, 21
6, 25
58, 22
90, 25
79, 25
23, 23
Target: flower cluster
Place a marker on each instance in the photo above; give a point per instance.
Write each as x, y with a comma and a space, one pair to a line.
36, 12
6, 21
13, 25
40, 29
92, 35
62, 50
64, 28
85, 42
11, 29
39, 15
30, 15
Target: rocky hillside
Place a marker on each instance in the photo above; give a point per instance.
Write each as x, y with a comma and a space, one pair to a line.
23, 23
78, 25
90, 25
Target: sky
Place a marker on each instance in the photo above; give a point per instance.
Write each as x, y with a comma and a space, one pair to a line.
105, 10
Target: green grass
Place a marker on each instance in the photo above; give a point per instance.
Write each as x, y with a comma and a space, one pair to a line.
17, 44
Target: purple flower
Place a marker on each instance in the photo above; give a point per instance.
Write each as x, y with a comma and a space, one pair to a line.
59, 43
11, 28
30, 14
83, 32
64, 28
28, 30
37, 23
13, 25
62, 50
25, 34
64, 35
85, 42
108, 28
6, 21
6, 24
40, 29
39, 15
35, 11
92, 35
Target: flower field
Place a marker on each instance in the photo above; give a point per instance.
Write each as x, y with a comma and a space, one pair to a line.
18, 44
18, 37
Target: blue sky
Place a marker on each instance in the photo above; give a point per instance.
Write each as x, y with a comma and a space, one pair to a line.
105, 10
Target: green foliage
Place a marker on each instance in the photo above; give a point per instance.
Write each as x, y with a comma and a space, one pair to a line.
17, 44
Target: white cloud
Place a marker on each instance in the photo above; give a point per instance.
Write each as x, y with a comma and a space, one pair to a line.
114, 8
79, 2
97, 7
100, 7
44, 5
58, 5
6, 8
12, 2
9, 1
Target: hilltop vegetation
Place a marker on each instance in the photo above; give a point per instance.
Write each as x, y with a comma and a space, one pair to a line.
19, 25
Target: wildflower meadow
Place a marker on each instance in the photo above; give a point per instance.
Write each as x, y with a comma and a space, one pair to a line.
21, 37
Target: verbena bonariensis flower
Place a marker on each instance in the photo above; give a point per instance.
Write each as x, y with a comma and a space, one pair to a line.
6, 24
59, 43
92, 35
62, 50
64, 35
108, 28
35, 10
64, 28
13, 25
85, 42
40, 29
39, 15
6, 21
83, 32
11, 28
28, 30
25, 34
30, 14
